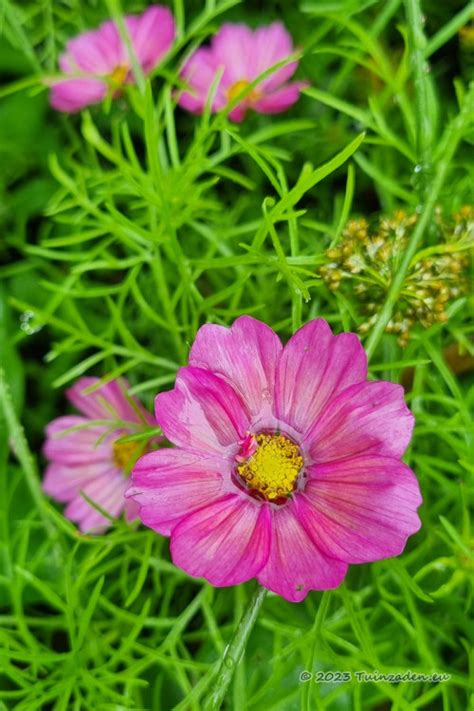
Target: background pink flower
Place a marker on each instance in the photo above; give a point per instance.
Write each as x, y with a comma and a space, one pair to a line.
243, 55
84, 454
287, 461
98, 62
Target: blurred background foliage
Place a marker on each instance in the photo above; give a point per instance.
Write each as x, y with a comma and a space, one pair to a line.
126, 227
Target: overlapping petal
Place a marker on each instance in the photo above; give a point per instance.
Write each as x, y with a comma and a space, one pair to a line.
109, 401
315, 367
361, 509
365, 418
72, 440
72, 95
108, 492
296, 564
98, 62
171, 483
239, 56
152, 35
202, 413
227, 542
246, 355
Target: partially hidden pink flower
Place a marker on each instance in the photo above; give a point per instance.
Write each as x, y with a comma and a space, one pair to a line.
242, 55
85, 456
286, 466
97, 63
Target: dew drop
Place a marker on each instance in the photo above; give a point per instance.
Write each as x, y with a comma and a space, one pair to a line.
229, 662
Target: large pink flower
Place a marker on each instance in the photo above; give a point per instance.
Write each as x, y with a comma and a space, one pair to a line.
287, 461
242, 55
84, 455
97, 62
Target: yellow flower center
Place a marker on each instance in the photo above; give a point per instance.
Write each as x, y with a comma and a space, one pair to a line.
125, 454
274, 466
237, 88
119, 75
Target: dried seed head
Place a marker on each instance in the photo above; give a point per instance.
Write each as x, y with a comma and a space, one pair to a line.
367, 259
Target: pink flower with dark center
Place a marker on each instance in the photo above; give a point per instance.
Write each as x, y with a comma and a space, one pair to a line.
286, 466
242, 55
85, 456
98, 63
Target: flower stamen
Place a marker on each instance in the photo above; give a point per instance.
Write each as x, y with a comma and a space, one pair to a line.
272, 469
119, 76
237, 88
125, 454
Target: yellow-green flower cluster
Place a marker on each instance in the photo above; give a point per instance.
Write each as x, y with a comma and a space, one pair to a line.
366, 260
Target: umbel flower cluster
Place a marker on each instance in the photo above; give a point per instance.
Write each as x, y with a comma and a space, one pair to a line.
367, 258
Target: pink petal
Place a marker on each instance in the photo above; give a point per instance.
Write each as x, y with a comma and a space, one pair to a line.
233, 49
132, 510
108, 492
238, 113
295, 564
246, 355
361, 509
199, 73
171, 483
203, 413
279, 100
95, 52
72, 95
152, 35
64, 481
226, 542
314, 367
272, 44
110, 401
84, 445
366, 418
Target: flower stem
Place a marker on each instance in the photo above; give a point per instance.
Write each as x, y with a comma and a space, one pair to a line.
234, 651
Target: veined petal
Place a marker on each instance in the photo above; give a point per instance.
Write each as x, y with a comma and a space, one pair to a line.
295, 564
366, 418
202, 413
171, 483
226, 542
361, 509
246, 355
314, 367
63, 481
108, 491
107, 402
72, 440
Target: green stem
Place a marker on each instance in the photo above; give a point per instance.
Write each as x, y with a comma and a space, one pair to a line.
424, 117
446, 150
234, 651
22, 451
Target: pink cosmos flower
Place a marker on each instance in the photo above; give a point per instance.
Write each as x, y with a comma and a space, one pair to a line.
286, 464
243, 55
84, 455
97, 62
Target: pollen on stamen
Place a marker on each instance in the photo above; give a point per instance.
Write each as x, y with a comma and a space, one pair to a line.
125, 454
119, 75
237, 88
273, 468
